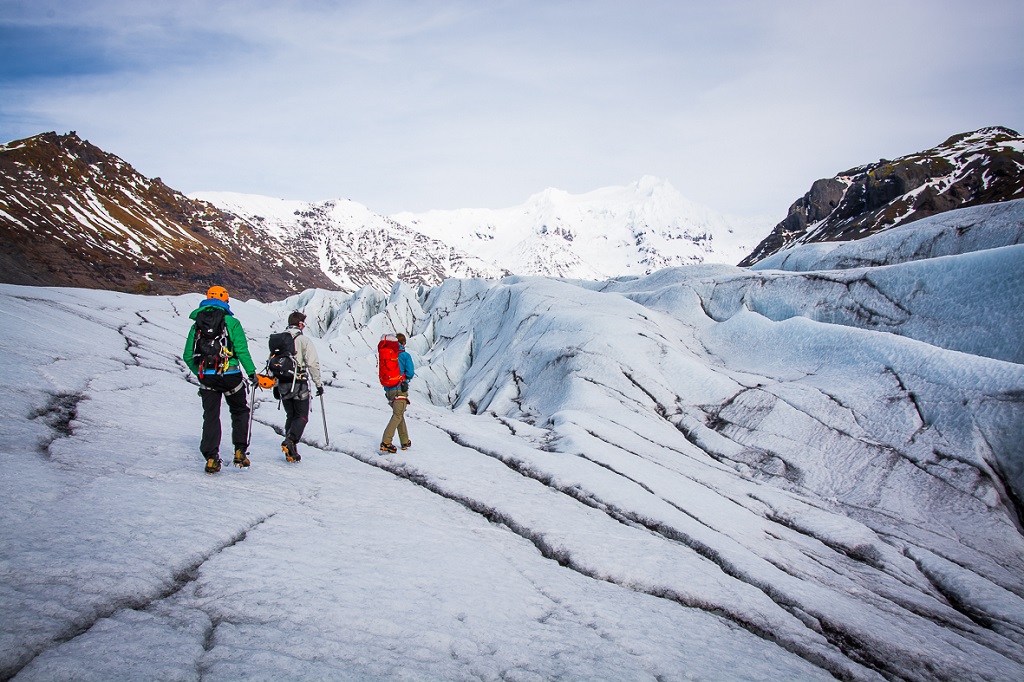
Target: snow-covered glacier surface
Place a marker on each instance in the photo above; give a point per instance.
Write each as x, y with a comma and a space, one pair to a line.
704, 473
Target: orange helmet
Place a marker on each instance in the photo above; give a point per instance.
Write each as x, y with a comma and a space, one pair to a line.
217, 291
265, 381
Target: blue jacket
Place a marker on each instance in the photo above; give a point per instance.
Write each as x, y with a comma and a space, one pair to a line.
405, 364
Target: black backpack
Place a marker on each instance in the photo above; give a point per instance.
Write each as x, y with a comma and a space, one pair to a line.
212, 348
282, 365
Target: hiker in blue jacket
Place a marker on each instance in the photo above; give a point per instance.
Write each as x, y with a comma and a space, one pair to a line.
398, 398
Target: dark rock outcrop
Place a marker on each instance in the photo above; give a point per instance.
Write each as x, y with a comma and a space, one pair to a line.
971, 169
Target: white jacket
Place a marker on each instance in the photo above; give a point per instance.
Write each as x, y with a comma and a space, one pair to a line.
305, 355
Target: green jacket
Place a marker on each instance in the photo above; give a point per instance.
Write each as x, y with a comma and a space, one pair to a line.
236, 336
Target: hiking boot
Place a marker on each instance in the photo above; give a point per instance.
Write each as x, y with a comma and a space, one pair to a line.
291, 454
388, 447
241, 458
212, 465
406, 445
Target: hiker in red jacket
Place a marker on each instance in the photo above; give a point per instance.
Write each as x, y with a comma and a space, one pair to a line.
396, 370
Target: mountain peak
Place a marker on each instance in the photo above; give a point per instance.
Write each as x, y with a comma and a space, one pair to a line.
550, 196
994, 134
649, 185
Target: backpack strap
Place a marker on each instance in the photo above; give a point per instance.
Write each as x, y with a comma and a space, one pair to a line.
230, 391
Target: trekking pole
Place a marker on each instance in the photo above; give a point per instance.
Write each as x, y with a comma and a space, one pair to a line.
323, 412
252, 410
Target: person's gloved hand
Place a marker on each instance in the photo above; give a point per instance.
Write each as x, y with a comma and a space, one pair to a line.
319, 390
404, 386
252, 378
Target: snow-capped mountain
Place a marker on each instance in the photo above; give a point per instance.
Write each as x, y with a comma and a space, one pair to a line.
349, 243
609, 232
709, 472
971, 169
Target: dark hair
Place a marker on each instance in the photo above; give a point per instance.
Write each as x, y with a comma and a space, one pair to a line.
295, 318
401, 338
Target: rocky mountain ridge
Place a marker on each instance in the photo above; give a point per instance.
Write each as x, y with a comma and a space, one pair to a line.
73, 215
351, 245
970, 169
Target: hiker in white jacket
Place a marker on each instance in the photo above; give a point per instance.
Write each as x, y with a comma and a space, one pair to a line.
295, 396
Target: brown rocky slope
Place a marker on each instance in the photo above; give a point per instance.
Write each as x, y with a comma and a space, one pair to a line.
74, 215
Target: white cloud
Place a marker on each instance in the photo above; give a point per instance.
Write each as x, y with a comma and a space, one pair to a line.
410, 106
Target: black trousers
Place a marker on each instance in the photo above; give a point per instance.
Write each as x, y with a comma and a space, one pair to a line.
296, 412
214, 387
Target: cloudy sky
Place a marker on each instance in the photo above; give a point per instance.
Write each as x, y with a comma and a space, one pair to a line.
405, 105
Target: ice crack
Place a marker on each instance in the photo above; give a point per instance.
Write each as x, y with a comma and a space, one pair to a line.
141, 602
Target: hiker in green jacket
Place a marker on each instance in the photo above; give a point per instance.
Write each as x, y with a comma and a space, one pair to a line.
217, 352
